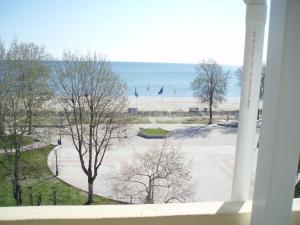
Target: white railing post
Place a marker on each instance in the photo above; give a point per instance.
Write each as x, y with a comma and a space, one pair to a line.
255, 26
280, 134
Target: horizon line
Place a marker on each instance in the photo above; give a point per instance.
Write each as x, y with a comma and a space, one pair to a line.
158, 62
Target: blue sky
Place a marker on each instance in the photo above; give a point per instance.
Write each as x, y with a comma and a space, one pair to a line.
183, 31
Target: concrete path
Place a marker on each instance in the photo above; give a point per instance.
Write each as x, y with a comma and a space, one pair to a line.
211, 148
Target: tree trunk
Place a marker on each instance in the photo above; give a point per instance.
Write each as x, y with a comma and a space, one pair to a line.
19, 194
29, 122
54, 197
30, 196
210, 113
39, 200
90, 179
17, 189
1, 128
2, 131
90, 192
149, 197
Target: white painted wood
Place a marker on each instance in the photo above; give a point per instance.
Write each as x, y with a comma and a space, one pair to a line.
255, 26
280, 134
200, 213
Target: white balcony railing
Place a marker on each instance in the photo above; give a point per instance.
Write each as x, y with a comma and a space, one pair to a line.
212, 213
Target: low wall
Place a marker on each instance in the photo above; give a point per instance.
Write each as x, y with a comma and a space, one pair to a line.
204, 213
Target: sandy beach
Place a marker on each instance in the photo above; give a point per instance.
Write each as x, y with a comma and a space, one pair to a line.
145, 103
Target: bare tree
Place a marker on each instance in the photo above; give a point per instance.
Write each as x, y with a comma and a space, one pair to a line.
21, 93
239, 74
92, 98
2, 88
161, 174
31, 61
15, 125
210, 85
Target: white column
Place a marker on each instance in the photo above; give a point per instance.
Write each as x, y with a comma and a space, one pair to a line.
255, 26
280, 134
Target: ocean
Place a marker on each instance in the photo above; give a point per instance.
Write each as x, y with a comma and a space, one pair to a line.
175, 78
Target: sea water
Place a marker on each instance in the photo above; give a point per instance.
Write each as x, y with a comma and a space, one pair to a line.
175, 78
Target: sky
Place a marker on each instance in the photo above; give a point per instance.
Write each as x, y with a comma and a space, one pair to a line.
179, 31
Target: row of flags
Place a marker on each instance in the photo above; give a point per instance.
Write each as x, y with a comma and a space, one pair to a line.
161, 91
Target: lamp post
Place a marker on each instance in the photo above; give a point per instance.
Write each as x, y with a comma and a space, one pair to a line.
60, 122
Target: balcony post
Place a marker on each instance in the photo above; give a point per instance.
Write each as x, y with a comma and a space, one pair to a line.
255, 26
280, 133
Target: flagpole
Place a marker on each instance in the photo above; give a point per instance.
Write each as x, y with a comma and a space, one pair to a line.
149, 102
136, 103
174, 101
161, 91
162, 102
136, 97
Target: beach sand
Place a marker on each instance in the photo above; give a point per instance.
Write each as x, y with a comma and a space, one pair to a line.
178, 104
169, 104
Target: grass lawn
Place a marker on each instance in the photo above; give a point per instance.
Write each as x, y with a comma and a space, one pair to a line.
155, 131
198, 121
184, 120
138, 119
8, 141
43, 182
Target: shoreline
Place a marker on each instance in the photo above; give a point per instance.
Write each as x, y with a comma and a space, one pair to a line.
169, 104
161, 103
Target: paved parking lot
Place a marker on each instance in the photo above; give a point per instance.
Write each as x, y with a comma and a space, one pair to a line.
211, 148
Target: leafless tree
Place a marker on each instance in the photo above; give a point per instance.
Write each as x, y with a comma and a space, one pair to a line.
31, 61
14, 121
239, 74
210, 85
92, 98
2, 88
161, 174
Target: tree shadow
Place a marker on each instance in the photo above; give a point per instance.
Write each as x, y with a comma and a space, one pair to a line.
233, 130
229, 130
191, 132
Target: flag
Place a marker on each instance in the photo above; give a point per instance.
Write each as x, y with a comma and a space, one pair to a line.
136, 93
161, 90
148, 87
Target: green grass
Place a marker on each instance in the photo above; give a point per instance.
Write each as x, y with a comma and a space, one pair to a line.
155, 131
43, 182
191, 120
169, 120
136, 120
198, 121
8, 141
